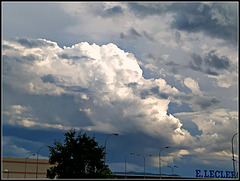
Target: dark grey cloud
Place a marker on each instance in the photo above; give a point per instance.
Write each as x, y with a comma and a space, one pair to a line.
219, 20
194, 67
183, 97
217, 62
196, 63
144, 94
153, 91
133, 34
65, 56
27, 58
211, 72
196, 17
48, 78
75, 88
172, 63
193, 102
178, 37
186, 11
174, 70
132, 84
197, 60
162, 95
210, 64
33, 43
206, 102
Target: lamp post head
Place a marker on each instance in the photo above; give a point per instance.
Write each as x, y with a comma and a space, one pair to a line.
116, 134
167, 147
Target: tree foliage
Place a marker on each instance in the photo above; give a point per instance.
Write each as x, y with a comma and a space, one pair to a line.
79, 157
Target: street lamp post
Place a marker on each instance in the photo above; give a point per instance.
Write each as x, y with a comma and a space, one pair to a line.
26, 164
105, 145
126, 163
6, 171
143, 161
160, 160
233, 157
37, 157
172, 167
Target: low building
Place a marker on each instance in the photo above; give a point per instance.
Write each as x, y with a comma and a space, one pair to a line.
22, 168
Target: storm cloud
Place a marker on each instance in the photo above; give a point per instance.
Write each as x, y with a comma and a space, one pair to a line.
214, 20
211, 63
212, 60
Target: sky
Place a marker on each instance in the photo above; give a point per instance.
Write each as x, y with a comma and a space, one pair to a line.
157, 73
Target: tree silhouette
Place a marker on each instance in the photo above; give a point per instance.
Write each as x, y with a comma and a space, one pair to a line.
79, 157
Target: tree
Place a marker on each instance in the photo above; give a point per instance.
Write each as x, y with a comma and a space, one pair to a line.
79, 157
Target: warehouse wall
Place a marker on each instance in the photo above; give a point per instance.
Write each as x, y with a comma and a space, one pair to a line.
14, 168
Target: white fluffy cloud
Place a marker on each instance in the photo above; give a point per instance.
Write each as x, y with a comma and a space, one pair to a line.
106, 82
23, 116
192, 85
217, 128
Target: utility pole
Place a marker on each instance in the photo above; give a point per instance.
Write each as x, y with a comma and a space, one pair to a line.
233, 157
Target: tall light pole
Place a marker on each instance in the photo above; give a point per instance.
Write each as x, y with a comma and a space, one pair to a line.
160, 160
37, 157
172, 167
126, 163
6, 171
143, 161
105, 145
26, 164
233, 157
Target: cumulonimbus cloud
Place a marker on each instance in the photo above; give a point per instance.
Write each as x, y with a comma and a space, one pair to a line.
105, 81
